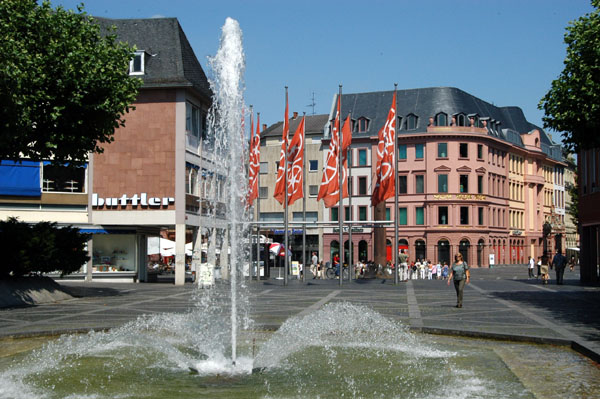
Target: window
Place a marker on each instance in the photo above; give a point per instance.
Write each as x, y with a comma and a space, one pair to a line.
362, 157
310, 216
334, 214
271, 216
419, 184
402, 216
411, 122
461, 120
463, 150
347, 212
263, 192
362, 213
442, 183
194, 121
443, 215
313, 165
362, 185
62, 179
442, 150
441, 119
419, 151
276, 166
480, 184
464, 215
419, 215
388, 214
136, 64
402, 152
362, 124
464, 183
402, 184
313, 191
479, 151
264, 168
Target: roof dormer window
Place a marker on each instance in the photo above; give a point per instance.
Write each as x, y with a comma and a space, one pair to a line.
136, 64
441, 119
362, 124
411, 122
461, 119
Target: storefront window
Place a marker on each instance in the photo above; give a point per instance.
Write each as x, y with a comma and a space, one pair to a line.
114, 253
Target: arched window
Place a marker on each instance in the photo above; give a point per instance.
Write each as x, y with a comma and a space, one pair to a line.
480, 246
443, 249
402, 244
420, 249
461, 120
363, 251
347, 259
411, 122
334, 249
463, 249
441, 119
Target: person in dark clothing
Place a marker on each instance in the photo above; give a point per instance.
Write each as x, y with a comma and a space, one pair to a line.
559, 262
460, 274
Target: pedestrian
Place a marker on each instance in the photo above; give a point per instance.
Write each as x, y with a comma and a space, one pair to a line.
559, 262
544, 269
572, 263
460, 274
313, 264
539, 267
445, 270
403, 260
435, 271
531, 265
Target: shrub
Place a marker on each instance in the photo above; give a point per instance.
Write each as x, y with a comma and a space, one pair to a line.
40, 248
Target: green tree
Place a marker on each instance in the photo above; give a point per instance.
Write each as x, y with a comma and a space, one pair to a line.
64, 87
572, 106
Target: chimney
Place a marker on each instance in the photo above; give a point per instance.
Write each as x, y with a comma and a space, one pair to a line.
295, 115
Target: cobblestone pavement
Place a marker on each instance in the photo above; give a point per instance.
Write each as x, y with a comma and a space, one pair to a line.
500, 302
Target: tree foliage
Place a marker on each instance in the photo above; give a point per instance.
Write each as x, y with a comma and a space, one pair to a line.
64, 87
40, 248
572, 106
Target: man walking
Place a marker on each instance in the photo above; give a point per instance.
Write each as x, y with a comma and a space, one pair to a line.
313, 264
559, 262
531, 265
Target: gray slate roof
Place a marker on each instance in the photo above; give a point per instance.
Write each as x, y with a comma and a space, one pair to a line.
170, 60
427, 102
314, 125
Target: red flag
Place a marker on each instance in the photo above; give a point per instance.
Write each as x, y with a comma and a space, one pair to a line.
385, 183
346, 141
280, 188
295, 164
329, 189
254, 168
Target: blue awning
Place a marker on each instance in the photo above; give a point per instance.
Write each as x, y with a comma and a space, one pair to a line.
20, 178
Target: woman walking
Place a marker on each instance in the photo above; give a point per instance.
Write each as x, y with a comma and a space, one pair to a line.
460, 274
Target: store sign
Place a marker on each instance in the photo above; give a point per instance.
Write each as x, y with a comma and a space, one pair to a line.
136, 200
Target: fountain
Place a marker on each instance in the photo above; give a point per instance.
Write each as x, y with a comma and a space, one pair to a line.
340, 350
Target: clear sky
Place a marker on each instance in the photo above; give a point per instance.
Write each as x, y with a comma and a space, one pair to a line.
506, 52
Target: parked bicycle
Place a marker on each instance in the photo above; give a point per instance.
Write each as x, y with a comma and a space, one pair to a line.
330, 272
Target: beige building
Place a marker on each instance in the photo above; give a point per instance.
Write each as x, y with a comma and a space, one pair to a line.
270, 210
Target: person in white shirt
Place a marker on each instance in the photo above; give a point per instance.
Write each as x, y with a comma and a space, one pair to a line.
531, 265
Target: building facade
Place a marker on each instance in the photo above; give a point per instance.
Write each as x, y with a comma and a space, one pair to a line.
472, 178
150, 179
270, 212
589, 214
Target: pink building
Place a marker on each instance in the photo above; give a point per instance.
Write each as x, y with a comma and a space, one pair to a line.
472, 178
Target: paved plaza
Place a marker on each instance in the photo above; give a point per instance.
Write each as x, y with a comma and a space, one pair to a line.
499, 303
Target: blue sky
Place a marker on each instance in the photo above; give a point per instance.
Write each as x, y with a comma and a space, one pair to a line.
506, 52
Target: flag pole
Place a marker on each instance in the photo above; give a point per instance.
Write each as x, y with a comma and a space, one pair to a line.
285, 198
258, 208
341, 190
304, 201
350, 188
395, 246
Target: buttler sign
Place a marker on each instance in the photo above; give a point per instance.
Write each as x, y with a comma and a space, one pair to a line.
142, 200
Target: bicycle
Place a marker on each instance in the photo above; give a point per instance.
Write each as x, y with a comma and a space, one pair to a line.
330, 272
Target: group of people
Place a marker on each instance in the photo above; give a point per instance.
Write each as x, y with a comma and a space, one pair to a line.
544, 265
421, 269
